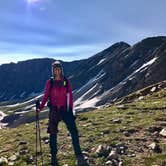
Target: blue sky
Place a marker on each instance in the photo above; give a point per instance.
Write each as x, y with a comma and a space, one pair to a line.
74, 29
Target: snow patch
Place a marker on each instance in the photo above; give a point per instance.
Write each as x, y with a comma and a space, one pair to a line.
92, 80
80, 103
133, 64
71, 76
29, 106
153, 89
80, 99
2, 115
146, 64
1, 96
101, 61
33, 94
12, 97
140, 69
23, 103
21, 112
22, 94
88, 103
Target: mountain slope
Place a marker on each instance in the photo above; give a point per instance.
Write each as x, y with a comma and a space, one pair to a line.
26, 79
120, 74
103, 78
130, 129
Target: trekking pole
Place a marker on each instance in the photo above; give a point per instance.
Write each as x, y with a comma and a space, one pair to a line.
38, 136
41, 151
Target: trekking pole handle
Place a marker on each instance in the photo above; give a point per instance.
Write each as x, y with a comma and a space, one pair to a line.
37, 102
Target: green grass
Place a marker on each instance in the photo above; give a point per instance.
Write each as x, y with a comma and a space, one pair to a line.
95, 128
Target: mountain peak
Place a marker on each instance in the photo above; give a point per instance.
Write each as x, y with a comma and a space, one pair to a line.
120, 44
150, 42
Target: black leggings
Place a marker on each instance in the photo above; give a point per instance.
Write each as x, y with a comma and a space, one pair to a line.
69, 120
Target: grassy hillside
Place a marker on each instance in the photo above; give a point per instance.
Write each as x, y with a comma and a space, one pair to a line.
134, 125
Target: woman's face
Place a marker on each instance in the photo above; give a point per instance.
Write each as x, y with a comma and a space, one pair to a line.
57, 71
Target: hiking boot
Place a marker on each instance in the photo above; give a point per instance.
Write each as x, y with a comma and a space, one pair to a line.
81, 161
54, 161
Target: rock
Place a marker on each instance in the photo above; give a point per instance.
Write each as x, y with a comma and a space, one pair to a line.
153, 129
126, 133
162, 124
103, 150
3, 160
29, 160
93, 149
120, 163
163, 163
85, 153
100, 150
163, 132
153, 89
117, 120
11, 163
121, 148
120, 106
46, 141
140, 97
152, 146
130, 113
155, 134
13, 158
120, 130
18, 134
105, 132
113, 155
109, 163
45, 138
131, 155
22, 143
68, 134
115, 162
23, 151
132, 131
129, 132
155, 147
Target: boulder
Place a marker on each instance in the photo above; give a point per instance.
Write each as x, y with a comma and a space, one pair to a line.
102, 150
113, 155
163, 132
109, 163
11, 163
22, 143
153, 129
155, 147
117, 120
23, 151
29, 160
13, 158
3, 160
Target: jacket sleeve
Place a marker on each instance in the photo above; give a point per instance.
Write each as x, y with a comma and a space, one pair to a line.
70, 94
46, 95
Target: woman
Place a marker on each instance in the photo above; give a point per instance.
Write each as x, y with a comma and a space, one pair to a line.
59, 93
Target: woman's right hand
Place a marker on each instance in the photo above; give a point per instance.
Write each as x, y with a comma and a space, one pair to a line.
37, 110
37, 102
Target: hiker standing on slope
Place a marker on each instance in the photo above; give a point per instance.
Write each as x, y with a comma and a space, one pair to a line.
59, 94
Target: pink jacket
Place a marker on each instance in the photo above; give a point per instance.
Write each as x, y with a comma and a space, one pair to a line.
58, 95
